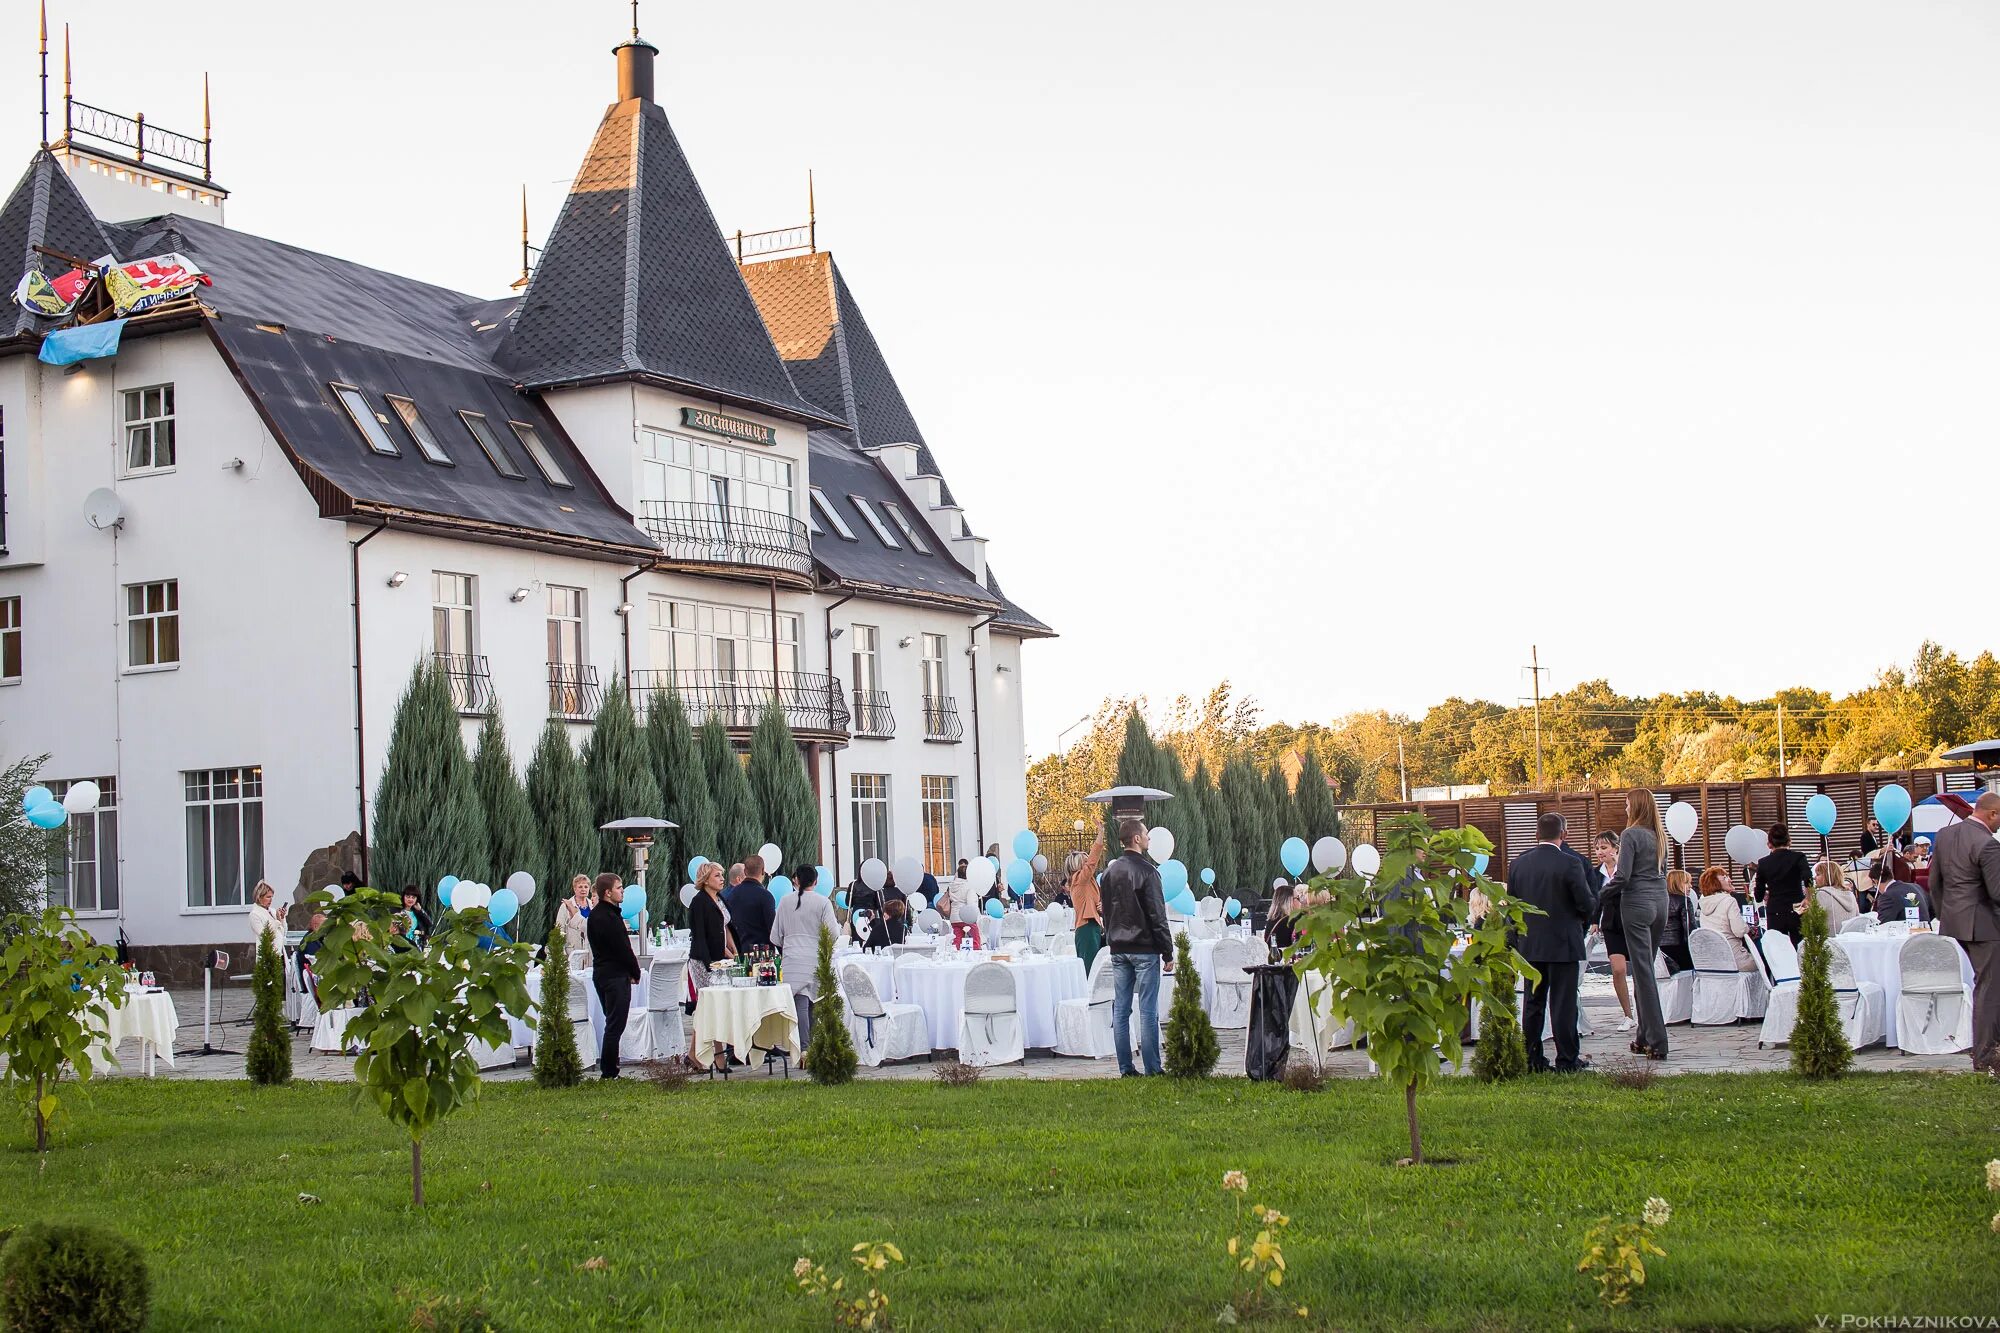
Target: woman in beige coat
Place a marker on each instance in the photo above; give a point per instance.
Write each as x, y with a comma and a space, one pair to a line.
1721, 913
572, 917
1831, 891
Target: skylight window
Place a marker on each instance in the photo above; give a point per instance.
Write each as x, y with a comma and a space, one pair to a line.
373, 428
496, 453
875, 522
420, 430
812, 525
824, 508
909, 532
531, 440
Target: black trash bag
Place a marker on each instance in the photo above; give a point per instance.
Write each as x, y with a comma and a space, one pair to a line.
1273, 988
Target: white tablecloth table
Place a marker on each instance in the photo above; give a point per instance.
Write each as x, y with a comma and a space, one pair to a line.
746, 1017
147, 1017
523, 1035
1877, 957
880, 967
326, 1032
1041, 982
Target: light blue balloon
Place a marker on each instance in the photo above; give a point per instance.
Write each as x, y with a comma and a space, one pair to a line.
840, 899
1020, 875
630, 910
995, 910
1208, 875
1232, 908
694, 867
780, 885
635, 893
445, 886
824, 887
47, 815
1821, 813
1295, 856
35, 796
1173, 877
1026, 844
1892, 807
504, 907
1184, 903
1480, 860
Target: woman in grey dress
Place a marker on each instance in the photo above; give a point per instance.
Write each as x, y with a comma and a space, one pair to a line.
1641, 882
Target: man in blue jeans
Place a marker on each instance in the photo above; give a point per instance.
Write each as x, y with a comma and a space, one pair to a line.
1135, 931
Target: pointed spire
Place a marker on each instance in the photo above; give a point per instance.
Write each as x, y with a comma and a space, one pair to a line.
45, 72
635, 63
522, 281
812, 215
207, 133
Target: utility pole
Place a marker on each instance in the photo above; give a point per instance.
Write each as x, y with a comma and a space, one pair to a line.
1781, 736
1535, 669
1402, 772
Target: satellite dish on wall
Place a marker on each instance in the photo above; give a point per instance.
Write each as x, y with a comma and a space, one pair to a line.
103, 509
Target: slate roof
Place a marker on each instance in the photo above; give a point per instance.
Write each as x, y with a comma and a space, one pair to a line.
1015, 617
636, 282
44, 209
840, 472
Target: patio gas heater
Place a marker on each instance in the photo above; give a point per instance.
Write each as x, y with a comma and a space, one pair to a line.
1128, 802
638, 832
1983, 755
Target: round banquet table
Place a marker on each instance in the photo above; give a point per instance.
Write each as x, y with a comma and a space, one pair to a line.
746, 1017
147, 1017
1041, 982
879, 965
1877, 957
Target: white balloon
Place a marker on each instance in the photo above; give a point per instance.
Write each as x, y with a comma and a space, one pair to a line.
1329, 855
1746, 845
1041, 864
773, 856
909, 873
476, 896
1161, 846
1365, 860
81, 797
522, 884
873, 873
1681, 821
918, 902
687, 895
336, 891
979, 874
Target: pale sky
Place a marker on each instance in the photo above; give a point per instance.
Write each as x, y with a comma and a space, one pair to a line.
1661, 335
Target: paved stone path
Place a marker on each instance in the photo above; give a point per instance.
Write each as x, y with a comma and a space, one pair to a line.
1695, 1050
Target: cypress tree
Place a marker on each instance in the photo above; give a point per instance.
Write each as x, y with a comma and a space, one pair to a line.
1191, 1048
1502, 1052
1243, 794
557, 1064
737, 829
1283, 816
428, 823
1819, 1043
1314, 801
1136, 766
565, 835
1184, 816
783, 790
830, 1056
683, 794
269, 1059
619, 771
510, 826
1215, 814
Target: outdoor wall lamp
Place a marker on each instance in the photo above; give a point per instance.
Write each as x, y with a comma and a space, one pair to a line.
624, 608
836, 632
398, 579
518, 595
906, 641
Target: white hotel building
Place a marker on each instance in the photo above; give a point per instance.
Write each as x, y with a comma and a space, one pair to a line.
652, 464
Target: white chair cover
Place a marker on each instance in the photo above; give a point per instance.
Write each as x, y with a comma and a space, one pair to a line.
1856, 925
1232, 984
990, 1031
1210, 909
1721, 993
1083, 1026
1676, 991
666, 1034
1014, 926
1864, 1009
328, 1029
1781, 958
1934, 1006
881, 1031
1777, 962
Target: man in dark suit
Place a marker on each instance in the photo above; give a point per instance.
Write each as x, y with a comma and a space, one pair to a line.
1965, 883
614, 968
1782, 880
1548, 877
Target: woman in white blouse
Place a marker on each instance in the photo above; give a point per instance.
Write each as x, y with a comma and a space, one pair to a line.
265, 921
572, 915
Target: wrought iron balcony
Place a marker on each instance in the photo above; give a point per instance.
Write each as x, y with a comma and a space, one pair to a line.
812, 702
716, 534
872, 714
941, 719
573, 691
470, 682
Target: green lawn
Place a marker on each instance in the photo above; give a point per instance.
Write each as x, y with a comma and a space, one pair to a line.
1037, 1205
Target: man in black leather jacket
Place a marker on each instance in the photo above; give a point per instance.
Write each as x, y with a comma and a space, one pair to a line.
1136, 933
614, 967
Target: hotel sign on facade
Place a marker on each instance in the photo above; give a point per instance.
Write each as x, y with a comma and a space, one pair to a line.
700, 418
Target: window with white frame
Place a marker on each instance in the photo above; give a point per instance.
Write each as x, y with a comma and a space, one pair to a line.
871, 816
149, 429
10, 640
681, 469
451, 614
565, 626
83, 874
907, 528
152, 625
935, 684
225, 834
867, 659
824, 508
940, 805
710, 636
888, 539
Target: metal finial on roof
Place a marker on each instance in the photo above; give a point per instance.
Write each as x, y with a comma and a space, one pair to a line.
812, 216
45, 73
523, 280
635, 20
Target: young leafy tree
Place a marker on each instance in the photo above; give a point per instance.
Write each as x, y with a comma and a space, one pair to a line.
1191, 1045
783, 790
1251, 839
429, 1003
619, 769
1819, 1043
1221, 839
557, 1064
53, 979
685, 797
566, 835
738, 832
830, 1056
511, 843
1313, 800
428, 823
269, 1059
25, 851
1385, 948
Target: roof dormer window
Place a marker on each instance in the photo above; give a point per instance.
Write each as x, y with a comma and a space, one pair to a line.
374, 427
908, 530
531, 440
824, 508
875, 522
489, 443
420, 430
